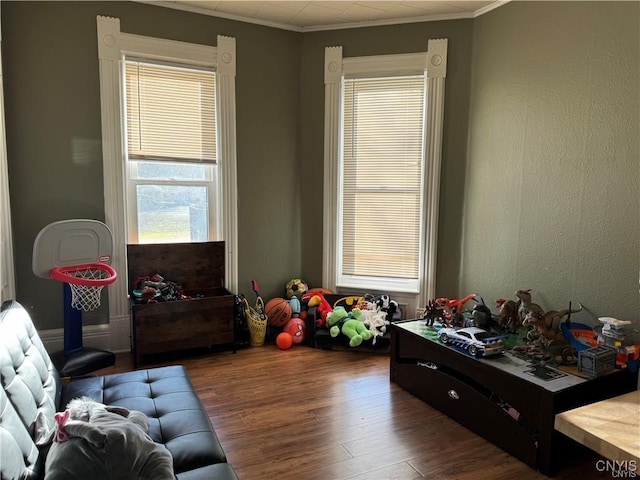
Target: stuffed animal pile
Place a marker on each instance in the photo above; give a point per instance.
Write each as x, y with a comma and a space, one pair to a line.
368, 321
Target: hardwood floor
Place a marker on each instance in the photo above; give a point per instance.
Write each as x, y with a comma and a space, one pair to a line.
313, 414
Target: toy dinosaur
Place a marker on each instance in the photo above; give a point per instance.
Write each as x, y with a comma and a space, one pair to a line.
452, 308
433, 312
456, 303
525, 306
507, 314
548, 324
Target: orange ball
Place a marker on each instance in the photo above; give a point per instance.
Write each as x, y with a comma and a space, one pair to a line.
284, 340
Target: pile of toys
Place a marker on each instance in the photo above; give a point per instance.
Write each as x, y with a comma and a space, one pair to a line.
155, 288
548, 336
359, 318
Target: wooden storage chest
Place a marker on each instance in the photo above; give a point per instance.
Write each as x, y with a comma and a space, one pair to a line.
203, 321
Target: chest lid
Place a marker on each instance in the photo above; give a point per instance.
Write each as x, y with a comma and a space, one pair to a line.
192, 265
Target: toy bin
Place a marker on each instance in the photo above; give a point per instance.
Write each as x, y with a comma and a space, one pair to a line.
206, 319
596, 361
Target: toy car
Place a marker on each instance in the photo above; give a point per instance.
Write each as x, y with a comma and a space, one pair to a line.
476, 341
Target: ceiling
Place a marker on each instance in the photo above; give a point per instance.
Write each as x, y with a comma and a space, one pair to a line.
331, 14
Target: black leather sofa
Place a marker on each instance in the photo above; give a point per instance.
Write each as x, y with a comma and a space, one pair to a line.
33, 391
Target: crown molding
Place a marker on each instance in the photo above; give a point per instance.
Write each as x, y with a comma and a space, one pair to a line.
490, 7
318, 28
214, 13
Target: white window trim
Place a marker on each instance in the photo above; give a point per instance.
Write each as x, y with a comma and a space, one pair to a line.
112, 46
7, 274
434, 62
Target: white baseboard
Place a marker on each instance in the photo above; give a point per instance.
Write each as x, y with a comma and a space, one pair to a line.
114, 336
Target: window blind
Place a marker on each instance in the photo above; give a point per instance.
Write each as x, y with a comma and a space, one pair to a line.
170, 112
382, 176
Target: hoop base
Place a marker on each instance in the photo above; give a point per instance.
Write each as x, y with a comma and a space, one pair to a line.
82, 362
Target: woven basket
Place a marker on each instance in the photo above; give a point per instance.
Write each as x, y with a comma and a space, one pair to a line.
257, 321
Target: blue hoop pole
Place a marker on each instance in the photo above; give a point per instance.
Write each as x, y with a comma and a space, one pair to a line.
72, 325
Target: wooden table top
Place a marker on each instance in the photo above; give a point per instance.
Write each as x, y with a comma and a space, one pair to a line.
609, 427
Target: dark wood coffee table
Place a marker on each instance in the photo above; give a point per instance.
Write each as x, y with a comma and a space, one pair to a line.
509, 400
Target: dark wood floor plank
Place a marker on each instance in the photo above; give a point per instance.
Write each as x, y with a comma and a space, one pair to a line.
334, 415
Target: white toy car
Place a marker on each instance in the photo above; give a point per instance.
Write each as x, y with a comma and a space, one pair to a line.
476, 341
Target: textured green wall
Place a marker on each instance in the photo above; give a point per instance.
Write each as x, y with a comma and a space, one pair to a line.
407, 38
52, 100
552, 197
543, 162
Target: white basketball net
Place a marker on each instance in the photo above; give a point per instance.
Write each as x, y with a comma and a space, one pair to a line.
83, 297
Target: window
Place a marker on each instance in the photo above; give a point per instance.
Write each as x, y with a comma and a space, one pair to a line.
381, 179
171, 153
169, 173
383, 134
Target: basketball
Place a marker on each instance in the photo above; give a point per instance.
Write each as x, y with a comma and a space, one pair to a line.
278, 311
296, 328
284, 341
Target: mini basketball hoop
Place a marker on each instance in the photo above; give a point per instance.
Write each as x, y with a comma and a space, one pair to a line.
76, 253
86, 283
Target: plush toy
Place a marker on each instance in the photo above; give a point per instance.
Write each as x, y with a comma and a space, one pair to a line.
102, 442
349, 324
385, 304
295, 307
323, 308
354, 330
338, 314
149, 294
376, 322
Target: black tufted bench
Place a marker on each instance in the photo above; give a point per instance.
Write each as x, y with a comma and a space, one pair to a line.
32, 392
